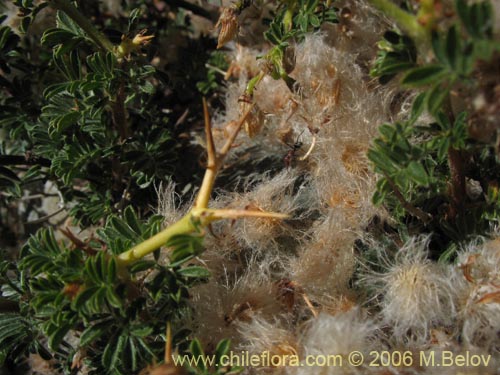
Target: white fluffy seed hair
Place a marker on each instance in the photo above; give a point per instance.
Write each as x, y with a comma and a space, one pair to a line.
220, 304
326, 263
274, 194
338, 103
477, 279
169, 204
415, 294
260, 335
338, 334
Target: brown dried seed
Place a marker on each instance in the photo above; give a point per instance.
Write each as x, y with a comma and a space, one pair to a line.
228, 22
354, 158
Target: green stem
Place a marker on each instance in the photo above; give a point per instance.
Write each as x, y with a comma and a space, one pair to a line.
406, 21
72, 12
200, 215
183, 226
253, 82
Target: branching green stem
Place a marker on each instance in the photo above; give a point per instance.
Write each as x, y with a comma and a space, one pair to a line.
183, 226
253, 82
72, 12
199, 215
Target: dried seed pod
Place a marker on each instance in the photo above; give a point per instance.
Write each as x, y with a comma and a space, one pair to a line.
228, 22
354, 158
347, 199
255, 119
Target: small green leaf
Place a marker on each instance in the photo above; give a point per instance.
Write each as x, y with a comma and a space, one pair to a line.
424, 75
387, 131
141, 265
378, 198
93, 332
113, 298
109, 357
148, 88
92, 270
221, 350
141, 330
133, 18
197, 351
57, 336
314, 21
443, 147
64, 121
453, 47
81, 299
463, 13
133, 353
417, 173
435, 97
111, 271
417, 107
122, 228
381, 160
132, 221
443, 121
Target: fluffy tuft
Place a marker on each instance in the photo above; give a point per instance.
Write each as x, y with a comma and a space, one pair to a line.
477, 278
414, 293
340, 335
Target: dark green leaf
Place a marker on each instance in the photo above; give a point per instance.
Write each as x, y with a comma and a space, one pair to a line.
113, 298
94, 332
435, 98
141, 331
417, 173
378, 198
66, 120
424, 75
314, 21
381, 160
453, 47
132, 221
463, 12
221, 350
141, 265
443, 147
57, 336
81, 299
417, 107
111, 271
197, 352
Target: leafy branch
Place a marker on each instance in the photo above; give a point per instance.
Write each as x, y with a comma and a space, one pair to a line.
425, 168
99, 38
